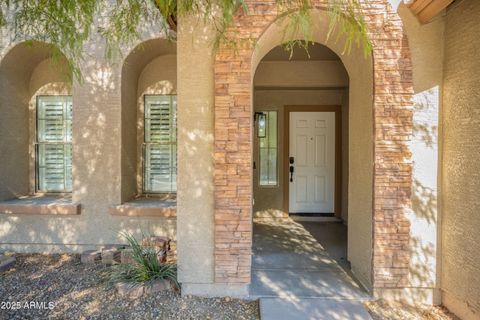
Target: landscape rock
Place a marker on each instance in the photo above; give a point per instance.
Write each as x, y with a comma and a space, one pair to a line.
91, 256
172, 252
136, 290
157, 242
6, 262
79, 291
126, 256
111, 255
157, 286
130, 290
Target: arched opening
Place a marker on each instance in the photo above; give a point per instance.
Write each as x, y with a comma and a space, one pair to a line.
329, 82
35, 126
149, 86
380, 126
301, 174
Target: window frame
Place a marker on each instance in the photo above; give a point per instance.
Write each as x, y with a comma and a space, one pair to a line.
144, 191
277, 184
36, 145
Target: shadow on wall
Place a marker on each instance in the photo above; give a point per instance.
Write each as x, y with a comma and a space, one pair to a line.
424, 216
150, 68
19, 82
426, 109
96, 128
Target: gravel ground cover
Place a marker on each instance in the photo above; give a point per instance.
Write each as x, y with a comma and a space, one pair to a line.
77, 291
381, 310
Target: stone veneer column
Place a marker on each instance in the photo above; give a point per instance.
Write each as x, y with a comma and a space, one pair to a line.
392, 128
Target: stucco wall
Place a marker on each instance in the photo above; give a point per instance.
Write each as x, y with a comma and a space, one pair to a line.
301, 74
97, 140
151, 66
16, 69
461, 159
195, 202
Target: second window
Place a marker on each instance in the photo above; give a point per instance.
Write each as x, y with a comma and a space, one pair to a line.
160, 144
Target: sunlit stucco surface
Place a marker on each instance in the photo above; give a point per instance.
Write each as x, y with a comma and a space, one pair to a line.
461, 161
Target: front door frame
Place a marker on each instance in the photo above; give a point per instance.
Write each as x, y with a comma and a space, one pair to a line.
338, 151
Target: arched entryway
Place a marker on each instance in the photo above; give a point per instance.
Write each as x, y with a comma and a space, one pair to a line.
300, 175
379, 174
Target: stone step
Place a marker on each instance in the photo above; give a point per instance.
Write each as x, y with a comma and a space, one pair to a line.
312, 309
6, 262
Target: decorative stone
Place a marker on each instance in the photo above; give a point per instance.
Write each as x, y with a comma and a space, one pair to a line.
111, 255
136, 290
157, 242
91, 256
130, 290
172, 252
171, 256
126, 256
172, 245
392, 101
156, 286
6, 262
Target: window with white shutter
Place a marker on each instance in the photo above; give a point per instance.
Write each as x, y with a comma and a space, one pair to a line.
160, 144
54, 144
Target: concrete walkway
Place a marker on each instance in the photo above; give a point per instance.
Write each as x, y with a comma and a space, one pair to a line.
293, 274
312, 309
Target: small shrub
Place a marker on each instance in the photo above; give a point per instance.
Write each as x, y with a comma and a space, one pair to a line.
145, 265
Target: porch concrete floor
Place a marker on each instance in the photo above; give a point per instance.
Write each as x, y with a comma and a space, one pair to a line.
289, 262
293, 272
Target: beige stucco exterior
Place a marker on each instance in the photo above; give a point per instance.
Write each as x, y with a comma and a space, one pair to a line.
460, 165
98, 148
150, 68
107, 137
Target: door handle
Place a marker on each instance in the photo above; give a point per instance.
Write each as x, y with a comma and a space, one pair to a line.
292, 169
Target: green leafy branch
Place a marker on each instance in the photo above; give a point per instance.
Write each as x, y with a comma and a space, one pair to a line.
68, 24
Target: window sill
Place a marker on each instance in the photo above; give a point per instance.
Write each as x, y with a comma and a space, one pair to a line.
40, 205
147, 207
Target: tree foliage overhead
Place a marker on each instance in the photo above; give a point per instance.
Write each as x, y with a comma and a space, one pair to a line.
68, 24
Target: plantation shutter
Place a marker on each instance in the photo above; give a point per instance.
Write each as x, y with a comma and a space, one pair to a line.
160, 147
54, 144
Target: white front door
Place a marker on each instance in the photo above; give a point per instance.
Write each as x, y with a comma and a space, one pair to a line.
312, 146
